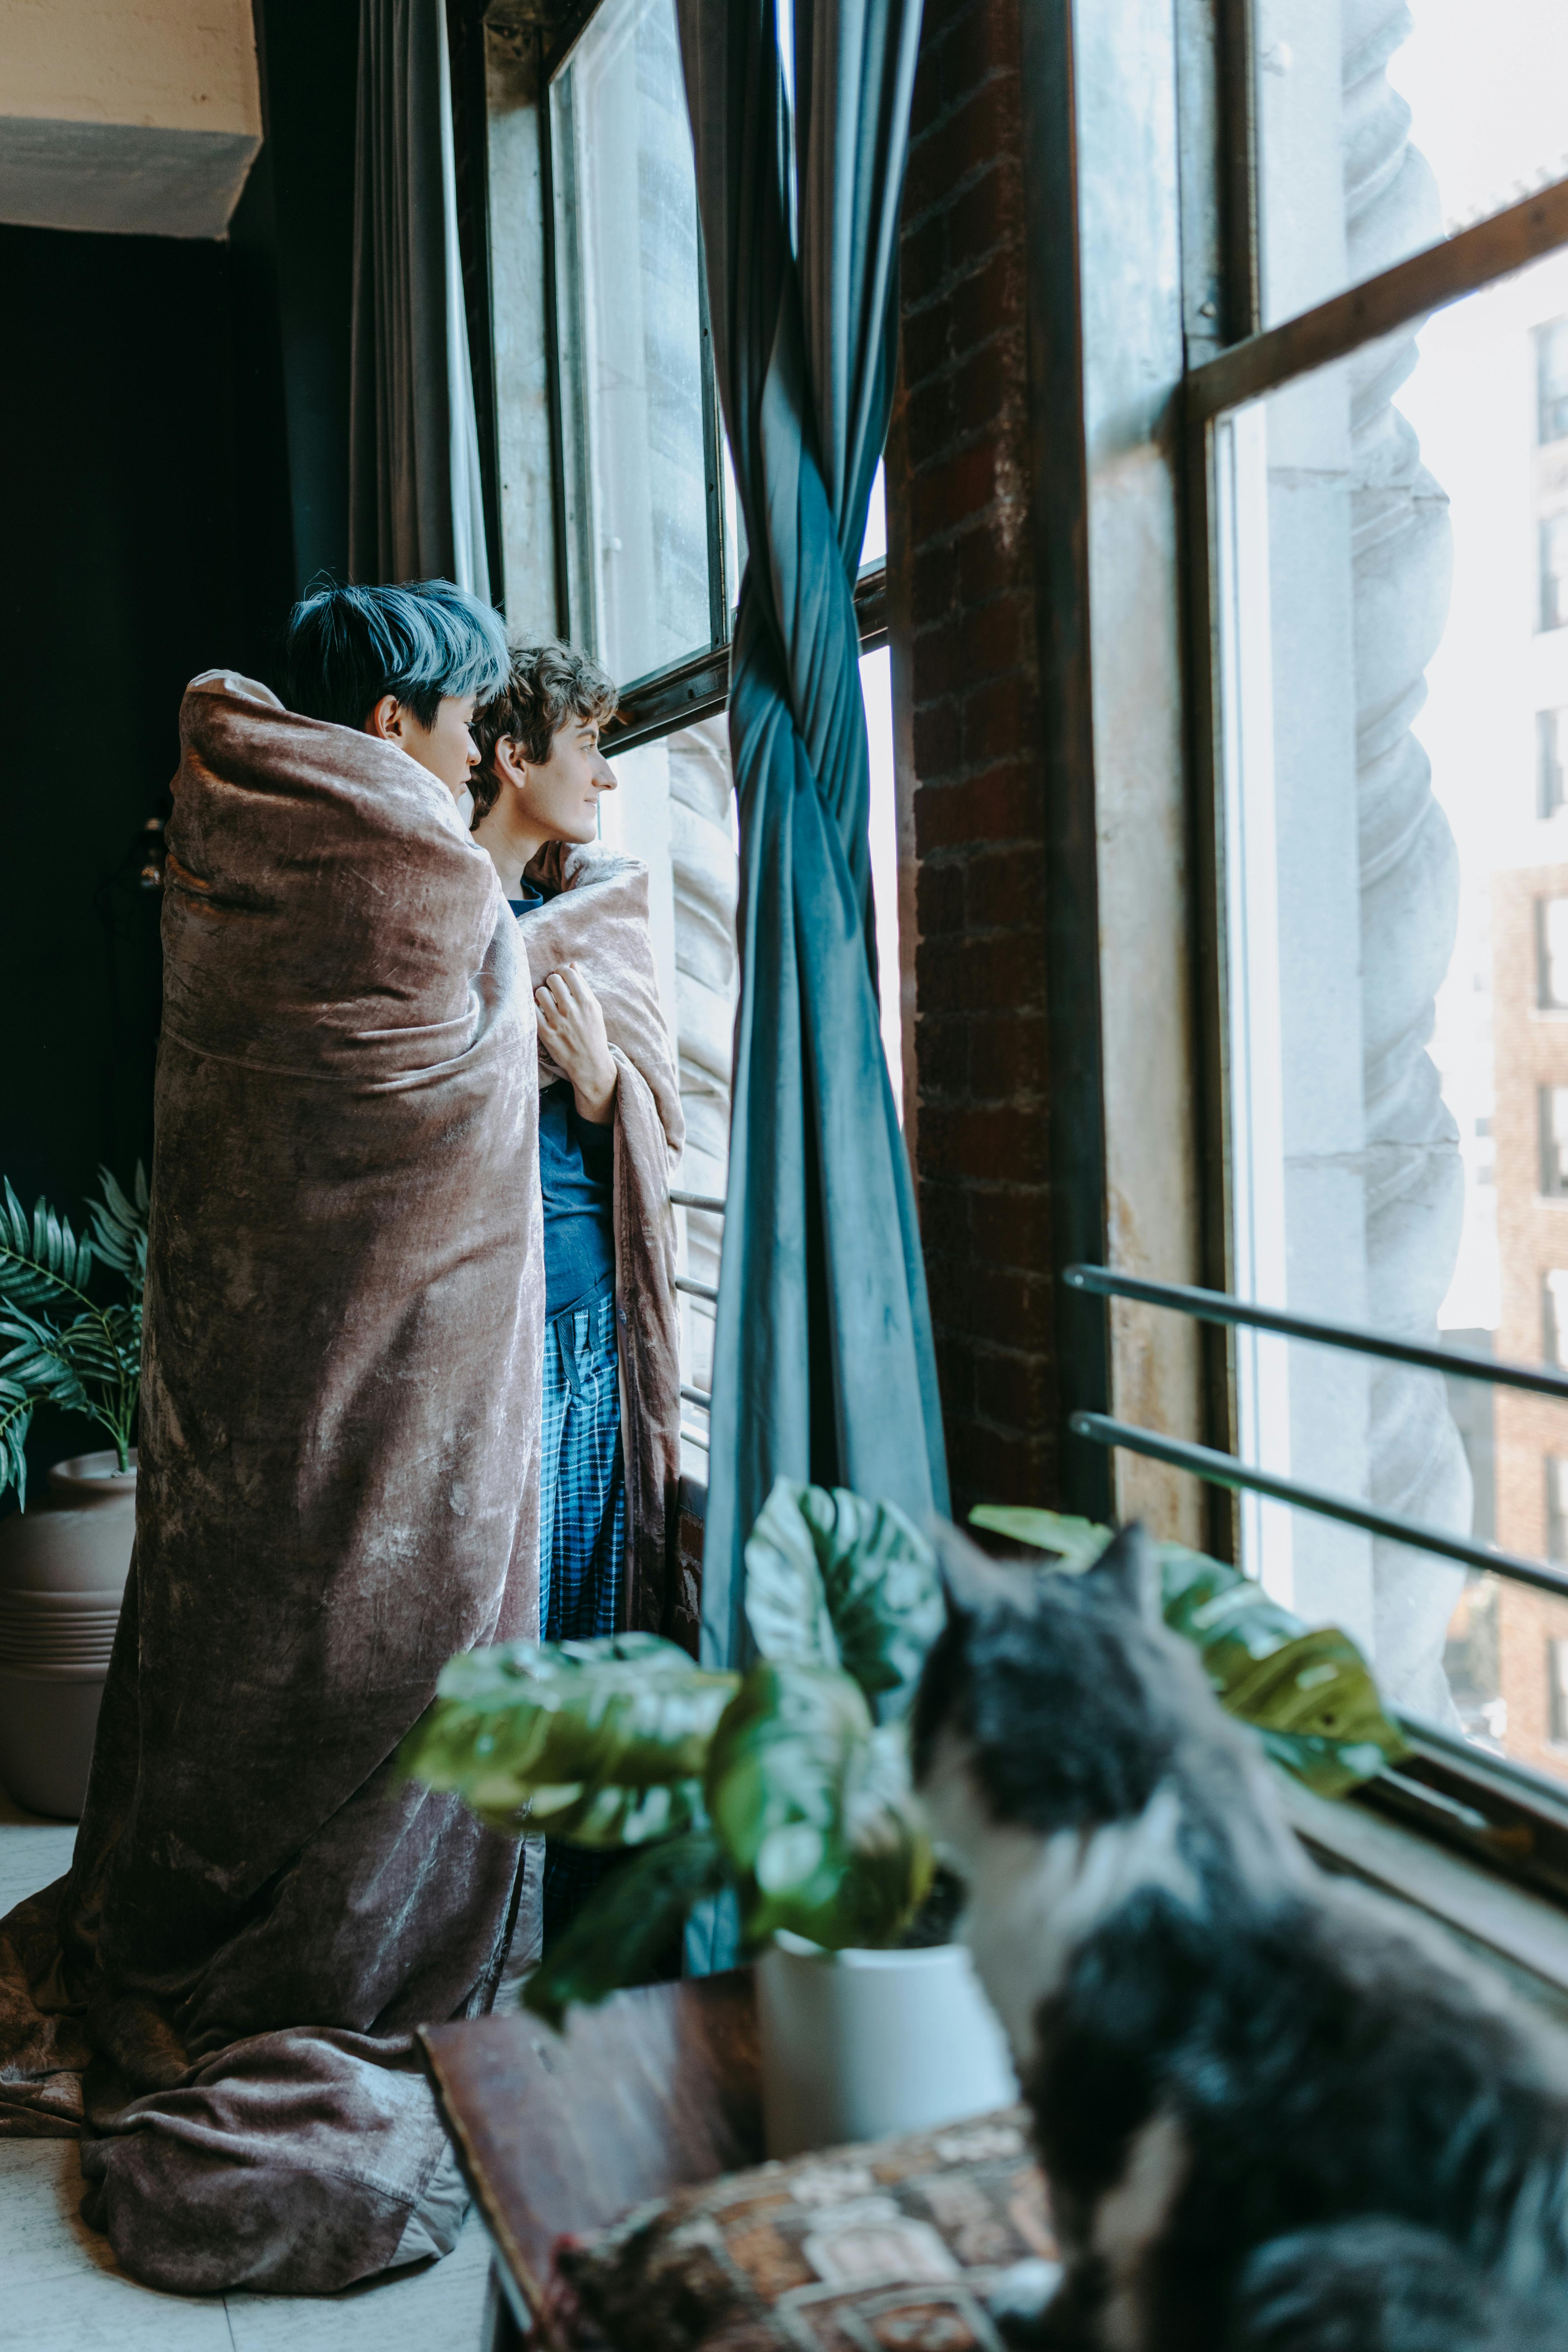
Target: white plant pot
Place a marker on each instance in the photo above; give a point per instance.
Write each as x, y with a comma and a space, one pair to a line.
63, 1567
857, 2045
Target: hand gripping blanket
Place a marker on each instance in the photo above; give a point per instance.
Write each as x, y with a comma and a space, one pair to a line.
338, 1490
597, 918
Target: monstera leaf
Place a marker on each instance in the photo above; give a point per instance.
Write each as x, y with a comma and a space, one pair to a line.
1308, 1690
602, 1742
627, 1924
1308, 1693
1077, 1543
814, 1810
833, 1580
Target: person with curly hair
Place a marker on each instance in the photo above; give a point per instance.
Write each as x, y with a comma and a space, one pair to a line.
610, 1130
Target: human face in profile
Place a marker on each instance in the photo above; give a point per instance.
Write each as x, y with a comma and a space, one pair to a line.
446, 748
561, 795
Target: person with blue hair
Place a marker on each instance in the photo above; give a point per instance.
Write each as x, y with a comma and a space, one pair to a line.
407, 664
337, 1490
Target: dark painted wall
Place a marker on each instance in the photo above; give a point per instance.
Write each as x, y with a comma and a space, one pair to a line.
308, 51
143, 536
173, 419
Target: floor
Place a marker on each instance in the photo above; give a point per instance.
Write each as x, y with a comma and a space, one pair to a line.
63, 2294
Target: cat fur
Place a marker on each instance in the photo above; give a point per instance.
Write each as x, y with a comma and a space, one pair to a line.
1276, 2112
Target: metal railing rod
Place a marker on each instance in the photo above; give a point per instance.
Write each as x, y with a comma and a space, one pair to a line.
697, 1201
1219, 1307
694, 1437
703, 1397
1225, 1470
696, 1289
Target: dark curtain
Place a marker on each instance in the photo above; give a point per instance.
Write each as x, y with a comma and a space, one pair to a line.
416, 499
823, 1362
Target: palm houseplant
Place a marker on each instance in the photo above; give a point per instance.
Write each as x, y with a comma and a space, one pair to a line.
62, 1345
71, 1339
787, 1790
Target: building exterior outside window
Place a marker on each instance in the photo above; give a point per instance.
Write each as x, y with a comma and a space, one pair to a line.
1392, 610
1551, 1104
1554, 541
1552, 381
1557, 1691
1551, 954
1554, 1316
1551, 746
1531, 1432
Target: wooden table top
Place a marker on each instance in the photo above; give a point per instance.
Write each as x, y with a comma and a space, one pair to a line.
654, 2090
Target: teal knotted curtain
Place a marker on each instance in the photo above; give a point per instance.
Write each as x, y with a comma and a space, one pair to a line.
823, 1365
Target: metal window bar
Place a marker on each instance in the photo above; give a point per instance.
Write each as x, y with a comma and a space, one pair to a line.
701, 1397
1225, 1470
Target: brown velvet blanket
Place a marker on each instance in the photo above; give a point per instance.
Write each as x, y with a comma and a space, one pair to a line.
597, 918
338, 1490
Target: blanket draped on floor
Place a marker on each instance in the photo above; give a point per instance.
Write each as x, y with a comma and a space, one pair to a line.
596, 916
338, 1490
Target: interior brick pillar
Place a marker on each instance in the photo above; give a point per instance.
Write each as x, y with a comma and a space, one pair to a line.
967, 677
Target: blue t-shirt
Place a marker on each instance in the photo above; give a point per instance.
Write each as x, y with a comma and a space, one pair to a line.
576, 1163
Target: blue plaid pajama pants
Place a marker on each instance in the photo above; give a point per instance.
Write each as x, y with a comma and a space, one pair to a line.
581, 1528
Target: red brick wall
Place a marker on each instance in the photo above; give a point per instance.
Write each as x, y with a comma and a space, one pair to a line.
977, 784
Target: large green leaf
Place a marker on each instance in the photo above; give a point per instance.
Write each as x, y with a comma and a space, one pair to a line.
602, 1743
626, 1924
1307, 1691
787, 1606
832, 1579
814, 1810
1077, 1543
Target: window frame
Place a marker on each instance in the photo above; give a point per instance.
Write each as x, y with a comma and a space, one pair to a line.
1498, 1813
696, 685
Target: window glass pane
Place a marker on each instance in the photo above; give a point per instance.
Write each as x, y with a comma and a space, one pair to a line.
1552, 531
1551, 746
874, 546
1551, 382
877, 693
1554, 1316
1553, 1102
1396, 888
1557, 1686
1551, 954
637, 446
675, 809
1383, 131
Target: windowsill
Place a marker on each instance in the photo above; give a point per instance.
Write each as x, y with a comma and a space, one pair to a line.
1508, 1924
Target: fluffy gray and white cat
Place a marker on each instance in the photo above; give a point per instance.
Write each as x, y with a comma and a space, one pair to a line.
1275, 2113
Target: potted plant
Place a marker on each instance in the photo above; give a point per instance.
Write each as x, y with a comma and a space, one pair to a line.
785, 1788
62, 1571
1305, 1689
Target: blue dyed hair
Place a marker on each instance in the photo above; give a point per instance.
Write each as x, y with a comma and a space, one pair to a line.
345, 648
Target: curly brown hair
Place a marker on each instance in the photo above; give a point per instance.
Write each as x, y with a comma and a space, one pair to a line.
548, 683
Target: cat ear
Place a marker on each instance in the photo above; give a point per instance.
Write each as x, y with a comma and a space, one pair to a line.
1127, 1574
974, 1584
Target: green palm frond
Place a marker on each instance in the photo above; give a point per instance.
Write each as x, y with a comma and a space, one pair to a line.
15, 1419
41, 1263
120, 1227
36, 1361
58, 1345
